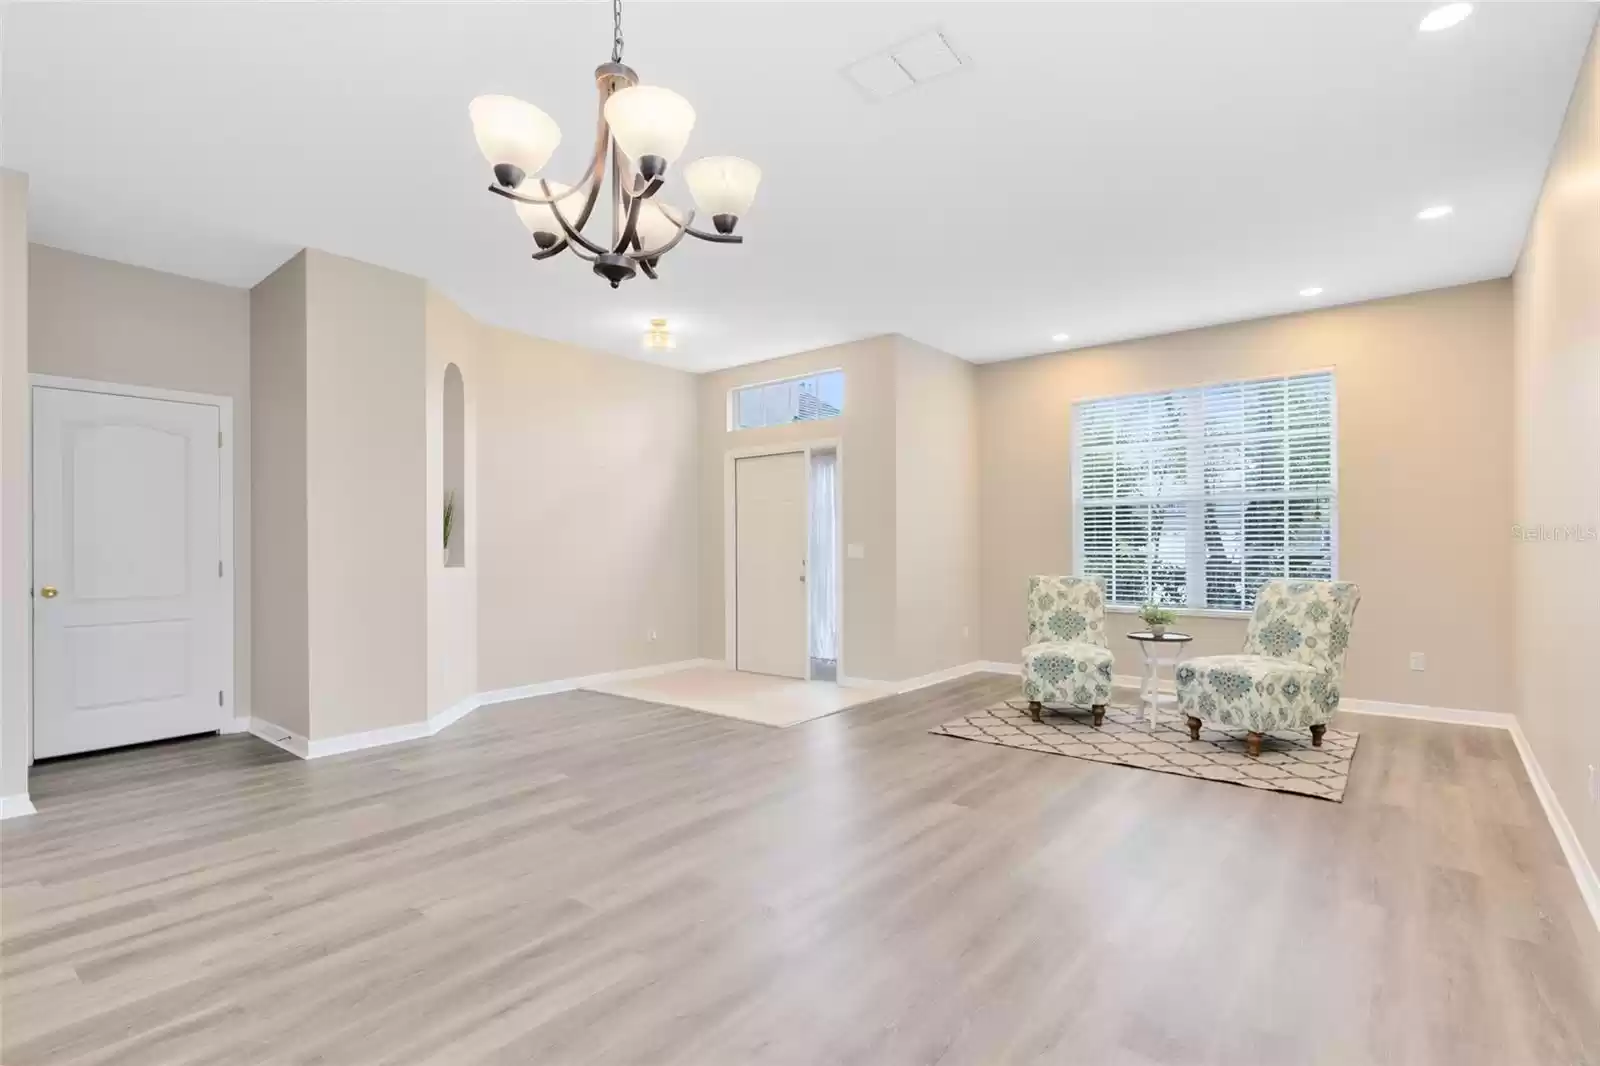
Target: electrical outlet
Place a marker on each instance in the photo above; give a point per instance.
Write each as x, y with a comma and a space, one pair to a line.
966, 631
1594, 784
1419, 661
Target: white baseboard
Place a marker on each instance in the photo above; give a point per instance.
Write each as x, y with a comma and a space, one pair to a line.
240, 724
296, 744
546, 688
17, 806
1582, 869
911, 684
1422, 713
275, 734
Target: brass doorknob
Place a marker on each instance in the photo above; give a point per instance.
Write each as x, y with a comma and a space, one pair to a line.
48, 592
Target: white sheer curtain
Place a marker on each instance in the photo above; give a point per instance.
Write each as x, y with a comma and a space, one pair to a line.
822, 579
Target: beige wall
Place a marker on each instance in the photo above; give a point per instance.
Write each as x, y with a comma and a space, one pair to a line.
366, 507
281, 687
452, 338
16, 651
586, 514
866, 432
936, 510
1557, 287
104, 321
1424, 478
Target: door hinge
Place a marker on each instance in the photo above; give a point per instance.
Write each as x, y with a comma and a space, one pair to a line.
219, 438
219, 697
219, 567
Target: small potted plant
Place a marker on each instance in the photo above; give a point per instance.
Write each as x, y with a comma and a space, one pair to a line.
1157, 617
449, 523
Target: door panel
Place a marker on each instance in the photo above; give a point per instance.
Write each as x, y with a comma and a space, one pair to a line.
127, 531
770, 496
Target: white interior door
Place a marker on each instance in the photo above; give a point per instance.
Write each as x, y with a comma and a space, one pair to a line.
131, 625
770, 535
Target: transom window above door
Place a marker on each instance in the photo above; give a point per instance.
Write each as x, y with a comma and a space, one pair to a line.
1196, 497
775, 403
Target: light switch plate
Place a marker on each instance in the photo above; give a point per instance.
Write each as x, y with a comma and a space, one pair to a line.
1419, 661
855, 551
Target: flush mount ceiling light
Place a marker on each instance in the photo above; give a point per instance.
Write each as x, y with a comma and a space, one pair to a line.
1314, 290
1428, 214
642, 130
1442, 18
1060, 337
657, 338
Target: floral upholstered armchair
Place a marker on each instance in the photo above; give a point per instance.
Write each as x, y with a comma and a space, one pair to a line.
1291, 669
1067, 660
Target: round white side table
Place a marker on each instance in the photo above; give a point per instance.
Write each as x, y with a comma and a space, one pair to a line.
1165, 650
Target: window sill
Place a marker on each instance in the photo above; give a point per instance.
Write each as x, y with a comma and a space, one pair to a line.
1184, 612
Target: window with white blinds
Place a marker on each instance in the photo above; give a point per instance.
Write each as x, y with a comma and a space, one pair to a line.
1195, 498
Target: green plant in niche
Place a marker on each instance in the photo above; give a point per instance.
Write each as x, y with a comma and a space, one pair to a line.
449, 517
1153, 615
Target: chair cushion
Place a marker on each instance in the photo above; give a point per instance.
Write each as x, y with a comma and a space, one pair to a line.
1074, 672
1255, 692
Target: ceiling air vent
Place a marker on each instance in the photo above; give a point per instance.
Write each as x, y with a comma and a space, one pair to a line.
905, 66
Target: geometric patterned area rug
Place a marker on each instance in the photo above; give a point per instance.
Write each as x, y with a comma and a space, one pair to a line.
1288, 762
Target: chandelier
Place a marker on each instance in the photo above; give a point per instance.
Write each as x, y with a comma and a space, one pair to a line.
642, 130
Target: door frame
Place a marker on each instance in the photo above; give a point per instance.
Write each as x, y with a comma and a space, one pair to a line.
232, 720
730, 541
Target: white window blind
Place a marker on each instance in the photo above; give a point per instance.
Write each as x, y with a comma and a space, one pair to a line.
1195, 498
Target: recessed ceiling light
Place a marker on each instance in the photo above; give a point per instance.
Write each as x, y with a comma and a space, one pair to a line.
1315, 290
1442, 18
1060, 337
1428, 214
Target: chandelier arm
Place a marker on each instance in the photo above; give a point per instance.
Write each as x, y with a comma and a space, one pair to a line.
649, 268
554, 250
655, 253
574, 232
581, 254
630, 226
500, 190
578, 240
716, 238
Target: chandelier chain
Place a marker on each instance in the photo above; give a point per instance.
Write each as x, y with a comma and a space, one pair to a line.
616, 31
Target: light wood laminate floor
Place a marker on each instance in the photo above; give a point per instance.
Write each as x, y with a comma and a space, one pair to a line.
588, 879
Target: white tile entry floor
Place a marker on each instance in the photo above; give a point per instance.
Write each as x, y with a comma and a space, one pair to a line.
775, 701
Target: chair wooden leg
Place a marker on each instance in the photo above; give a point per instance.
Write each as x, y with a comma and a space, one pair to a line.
1316, 735
1099, 712
1035, 707
1194, 729
1252, 745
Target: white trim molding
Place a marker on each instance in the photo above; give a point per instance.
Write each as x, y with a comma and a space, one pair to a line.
305, 748
1421, 713
1582, 869
277, 735
18, 806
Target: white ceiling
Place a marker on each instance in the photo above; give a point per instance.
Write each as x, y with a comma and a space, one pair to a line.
1106, 170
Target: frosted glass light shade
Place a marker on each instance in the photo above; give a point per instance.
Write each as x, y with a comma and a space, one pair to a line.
513, 131
541, 218
658, 224
649, 120
722, 184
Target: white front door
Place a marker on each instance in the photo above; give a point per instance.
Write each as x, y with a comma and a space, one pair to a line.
770, 538
132, 631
